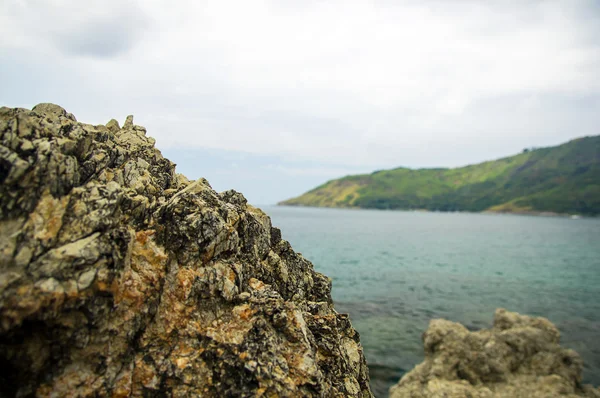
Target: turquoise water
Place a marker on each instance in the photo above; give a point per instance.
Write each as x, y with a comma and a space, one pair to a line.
394, 271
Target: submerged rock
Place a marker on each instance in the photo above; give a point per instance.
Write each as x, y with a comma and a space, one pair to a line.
519, 356
119, 277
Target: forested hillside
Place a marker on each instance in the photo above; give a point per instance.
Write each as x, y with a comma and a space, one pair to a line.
561, 179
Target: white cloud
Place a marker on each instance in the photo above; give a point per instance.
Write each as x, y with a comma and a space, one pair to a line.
78, 28
379, 83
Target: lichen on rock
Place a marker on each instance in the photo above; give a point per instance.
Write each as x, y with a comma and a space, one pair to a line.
119, 277
518, 357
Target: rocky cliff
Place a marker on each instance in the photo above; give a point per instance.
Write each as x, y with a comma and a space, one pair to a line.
519, 357
119, 277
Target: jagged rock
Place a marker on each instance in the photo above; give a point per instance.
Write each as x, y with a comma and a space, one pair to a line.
119, 277
519, 357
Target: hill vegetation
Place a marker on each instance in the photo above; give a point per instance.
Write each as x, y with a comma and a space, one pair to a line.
561, 179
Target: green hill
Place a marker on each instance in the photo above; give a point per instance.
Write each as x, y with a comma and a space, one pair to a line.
561, 179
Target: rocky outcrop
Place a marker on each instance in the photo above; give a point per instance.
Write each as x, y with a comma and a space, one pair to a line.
519, 356
119, 277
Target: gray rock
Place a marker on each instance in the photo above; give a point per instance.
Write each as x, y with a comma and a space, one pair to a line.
128, 123
50, 110
113, 125
119, 277
519, 357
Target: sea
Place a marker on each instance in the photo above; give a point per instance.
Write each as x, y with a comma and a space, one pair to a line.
394, 271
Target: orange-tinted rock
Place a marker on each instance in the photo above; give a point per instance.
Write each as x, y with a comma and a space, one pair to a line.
119, 277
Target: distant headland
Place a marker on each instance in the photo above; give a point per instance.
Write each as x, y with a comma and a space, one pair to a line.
564, 179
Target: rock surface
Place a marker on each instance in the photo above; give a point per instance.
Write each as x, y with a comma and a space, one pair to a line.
119, 277
519, 356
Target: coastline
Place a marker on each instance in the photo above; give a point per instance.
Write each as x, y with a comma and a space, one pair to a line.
534, 213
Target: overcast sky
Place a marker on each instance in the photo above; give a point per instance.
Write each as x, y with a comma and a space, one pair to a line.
275, 97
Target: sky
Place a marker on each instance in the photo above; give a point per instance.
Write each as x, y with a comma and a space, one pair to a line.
273, 98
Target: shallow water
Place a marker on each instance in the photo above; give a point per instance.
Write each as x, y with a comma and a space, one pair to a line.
393, 271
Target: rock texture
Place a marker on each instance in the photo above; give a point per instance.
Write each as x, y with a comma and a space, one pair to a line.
119, 277
519, 357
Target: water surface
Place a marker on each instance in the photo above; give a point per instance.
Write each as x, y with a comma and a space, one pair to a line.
393, 271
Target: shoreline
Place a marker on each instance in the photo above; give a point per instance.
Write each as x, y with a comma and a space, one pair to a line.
491, 212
